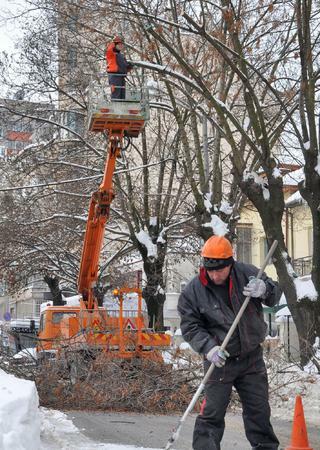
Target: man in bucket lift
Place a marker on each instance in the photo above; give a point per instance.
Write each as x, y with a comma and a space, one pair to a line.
117, 68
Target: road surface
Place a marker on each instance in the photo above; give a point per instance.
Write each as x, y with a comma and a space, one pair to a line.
153, 431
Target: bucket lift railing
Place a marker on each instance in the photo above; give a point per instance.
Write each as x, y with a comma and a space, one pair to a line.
99, 94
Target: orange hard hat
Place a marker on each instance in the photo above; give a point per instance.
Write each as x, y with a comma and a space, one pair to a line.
217, 247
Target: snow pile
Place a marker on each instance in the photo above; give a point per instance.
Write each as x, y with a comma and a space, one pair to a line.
27, 353
292, 382
57, 430
19, 419
305, 288
184, 346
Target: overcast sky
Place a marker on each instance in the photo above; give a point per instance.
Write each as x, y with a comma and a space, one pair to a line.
8, 28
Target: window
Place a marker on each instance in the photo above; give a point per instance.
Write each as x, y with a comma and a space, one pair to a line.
74, 121
264, 250
58, 316
2, 152
72, 57
2, 288
42, 321
183, 284
244, 244
47, 296
37, 307
72, 23
310, 241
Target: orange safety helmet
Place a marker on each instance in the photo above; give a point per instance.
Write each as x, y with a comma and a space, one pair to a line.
217, 253
217, 247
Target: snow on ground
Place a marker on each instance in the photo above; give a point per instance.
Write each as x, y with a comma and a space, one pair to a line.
19, 418
58, 432
296, 382
28, 353
25, 427
23, 423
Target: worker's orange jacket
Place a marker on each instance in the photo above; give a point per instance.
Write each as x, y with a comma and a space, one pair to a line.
116, 62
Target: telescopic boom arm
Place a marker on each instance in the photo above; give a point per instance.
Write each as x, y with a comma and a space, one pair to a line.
99, 212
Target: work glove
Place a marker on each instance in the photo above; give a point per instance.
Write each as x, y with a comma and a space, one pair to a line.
255, 288
217, 356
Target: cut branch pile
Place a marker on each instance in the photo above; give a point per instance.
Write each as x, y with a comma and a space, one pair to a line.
105, 383
99, 382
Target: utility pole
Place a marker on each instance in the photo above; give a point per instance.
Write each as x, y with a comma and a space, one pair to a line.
205, 148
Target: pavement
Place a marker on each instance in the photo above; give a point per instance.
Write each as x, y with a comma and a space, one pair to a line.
154, 430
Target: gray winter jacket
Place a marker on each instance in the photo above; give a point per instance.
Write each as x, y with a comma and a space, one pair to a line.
206, 319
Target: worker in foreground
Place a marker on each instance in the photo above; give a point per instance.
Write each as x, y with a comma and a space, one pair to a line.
208, 307
117, 68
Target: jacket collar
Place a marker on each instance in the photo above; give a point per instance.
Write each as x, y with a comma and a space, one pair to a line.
203, 276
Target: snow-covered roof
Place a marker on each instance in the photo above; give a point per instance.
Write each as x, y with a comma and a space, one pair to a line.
294, 177
23, 323
294, 200
73, 300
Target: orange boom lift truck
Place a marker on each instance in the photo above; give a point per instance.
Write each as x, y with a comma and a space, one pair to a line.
86, 326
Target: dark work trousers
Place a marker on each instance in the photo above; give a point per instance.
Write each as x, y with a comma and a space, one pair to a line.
118, 86
249, 377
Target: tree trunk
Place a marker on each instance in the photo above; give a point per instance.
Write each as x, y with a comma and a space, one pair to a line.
306, 319
154, 294
53, 284
315, 274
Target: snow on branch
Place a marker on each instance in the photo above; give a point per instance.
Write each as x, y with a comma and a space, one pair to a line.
226, 208
56, 216
305, 288
219, 228
145, 239
49, 183
259, 181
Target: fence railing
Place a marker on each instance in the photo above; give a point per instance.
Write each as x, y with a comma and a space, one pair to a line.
302, 266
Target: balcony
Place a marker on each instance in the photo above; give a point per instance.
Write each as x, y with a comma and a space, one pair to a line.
302, 266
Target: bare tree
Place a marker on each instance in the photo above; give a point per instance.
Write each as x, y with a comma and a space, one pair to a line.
257, 42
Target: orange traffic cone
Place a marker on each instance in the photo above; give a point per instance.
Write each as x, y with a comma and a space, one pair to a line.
299, 436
